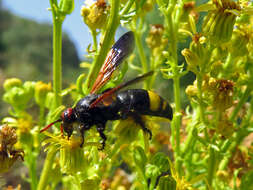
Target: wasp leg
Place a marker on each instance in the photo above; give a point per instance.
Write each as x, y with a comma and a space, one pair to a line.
82, 129
100, 129
62, 135
137, 118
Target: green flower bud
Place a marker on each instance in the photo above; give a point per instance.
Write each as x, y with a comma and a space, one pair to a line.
17, 94
239, 42
161, 161
95, 15
198, 47
191, 90
152, 171
192, 59
12, 82
219, 23
66, 6
167, 182
41, 91
29, 87
17, 97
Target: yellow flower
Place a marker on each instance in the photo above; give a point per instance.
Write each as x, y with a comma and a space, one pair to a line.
41, 90
95, 14
72, 156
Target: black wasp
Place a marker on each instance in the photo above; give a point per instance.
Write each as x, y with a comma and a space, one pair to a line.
112, 104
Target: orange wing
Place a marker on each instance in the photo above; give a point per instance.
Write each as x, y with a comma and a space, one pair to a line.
106, 95
119, 51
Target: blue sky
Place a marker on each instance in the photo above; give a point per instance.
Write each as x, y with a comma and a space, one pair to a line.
37, 10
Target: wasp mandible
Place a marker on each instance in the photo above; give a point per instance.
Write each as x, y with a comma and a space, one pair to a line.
113, 104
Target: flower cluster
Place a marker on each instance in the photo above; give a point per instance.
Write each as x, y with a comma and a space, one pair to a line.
95, 14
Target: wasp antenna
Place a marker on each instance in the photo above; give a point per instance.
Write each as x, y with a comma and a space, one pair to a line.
50, 125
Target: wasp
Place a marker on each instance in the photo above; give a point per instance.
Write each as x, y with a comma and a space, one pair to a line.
113, 104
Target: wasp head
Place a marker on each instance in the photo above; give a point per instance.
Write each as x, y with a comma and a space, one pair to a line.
68, 118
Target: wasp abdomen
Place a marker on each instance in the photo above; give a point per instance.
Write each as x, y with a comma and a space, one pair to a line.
144, 102
158, 106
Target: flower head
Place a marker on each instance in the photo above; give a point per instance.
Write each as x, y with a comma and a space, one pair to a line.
8, 155
41, 90
72, 156
219, 22
95, 14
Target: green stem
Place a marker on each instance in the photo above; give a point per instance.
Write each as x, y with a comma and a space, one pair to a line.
41, 116
31, 164
57, 84
32, 172
57, 60
94, 37
143, 59
201, 108
47, 168
241, 103
211, 166
173, 30
111, 27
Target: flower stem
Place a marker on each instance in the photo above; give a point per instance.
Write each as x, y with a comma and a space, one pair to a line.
143, 59
211, 166
241, 102
57, 59
173, 30
41, 116
46, 169
110, 29
57, 84
94, 37
32, 165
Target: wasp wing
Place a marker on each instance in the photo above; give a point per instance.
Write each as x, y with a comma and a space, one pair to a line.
109, 93
119, 51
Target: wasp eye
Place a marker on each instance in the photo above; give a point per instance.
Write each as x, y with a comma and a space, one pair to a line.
68, 115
